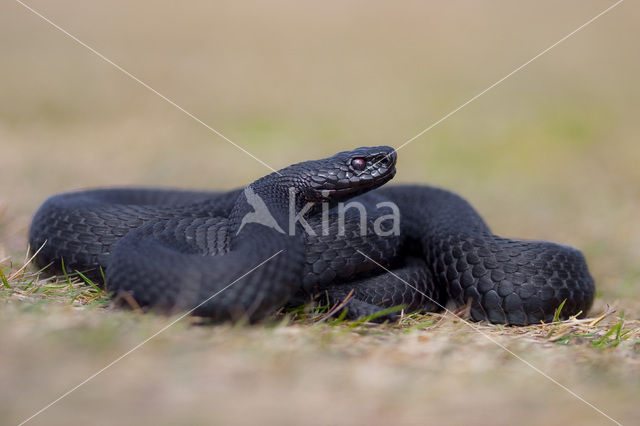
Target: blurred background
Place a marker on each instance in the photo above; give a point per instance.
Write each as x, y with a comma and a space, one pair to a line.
551, 153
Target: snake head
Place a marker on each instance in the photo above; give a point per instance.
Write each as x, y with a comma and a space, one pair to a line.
345, 174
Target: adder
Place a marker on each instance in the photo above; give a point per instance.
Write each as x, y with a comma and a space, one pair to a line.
288, 236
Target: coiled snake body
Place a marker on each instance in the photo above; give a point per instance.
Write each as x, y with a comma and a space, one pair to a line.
174, 249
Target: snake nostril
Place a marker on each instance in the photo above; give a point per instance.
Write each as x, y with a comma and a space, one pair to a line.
390, 158
385, 161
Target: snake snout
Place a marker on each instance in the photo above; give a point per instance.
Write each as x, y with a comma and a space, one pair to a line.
379, 163
383, 166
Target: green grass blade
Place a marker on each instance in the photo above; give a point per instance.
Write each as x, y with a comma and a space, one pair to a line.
556, 315
3, 277
376, 315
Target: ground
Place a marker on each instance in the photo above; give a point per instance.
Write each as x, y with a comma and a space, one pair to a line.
549, 153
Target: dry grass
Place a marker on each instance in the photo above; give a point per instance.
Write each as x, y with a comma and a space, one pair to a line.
422, 366
550, 154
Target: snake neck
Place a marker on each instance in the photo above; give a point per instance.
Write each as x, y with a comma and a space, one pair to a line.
263, 208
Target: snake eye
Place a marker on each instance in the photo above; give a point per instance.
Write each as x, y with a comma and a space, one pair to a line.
358, 163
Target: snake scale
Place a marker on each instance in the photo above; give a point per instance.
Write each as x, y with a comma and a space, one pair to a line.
241, 254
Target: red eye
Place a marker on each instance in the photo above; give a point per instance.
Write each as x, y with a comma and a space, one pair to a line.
358, 163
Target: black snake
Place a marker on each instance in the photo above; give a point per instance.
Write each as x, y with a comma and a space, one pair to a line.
290, 235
